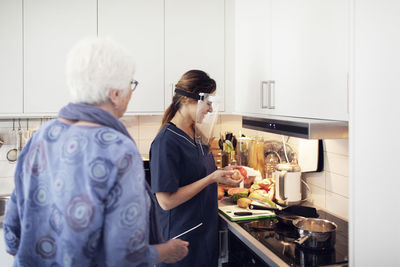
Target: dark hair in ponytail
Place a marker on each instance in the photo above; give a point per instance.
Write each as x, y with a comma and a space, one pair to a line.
193, 81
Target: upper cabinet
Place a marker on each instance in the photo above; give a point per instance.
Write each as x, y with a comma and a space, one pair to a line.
293, 58
194, 39
11, 87
139, 26
51, 28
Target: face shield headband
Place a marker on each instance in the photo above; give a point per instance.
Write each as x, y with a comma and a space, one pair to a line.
190, 95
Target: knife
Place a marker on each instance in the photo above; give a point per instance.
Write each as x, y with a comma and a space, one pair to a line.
249, 213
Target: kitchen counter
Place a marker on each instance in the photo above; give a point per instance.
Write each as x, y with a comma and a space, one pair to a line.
253, 244
270, 255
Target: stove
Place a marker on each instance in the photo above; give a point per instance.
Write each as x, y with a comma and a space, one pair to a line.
279, 238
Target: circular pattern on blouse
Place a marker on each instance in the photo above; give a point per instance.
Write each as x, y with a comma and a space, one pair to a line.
128, 215
106, 137
79, 213
41, 195
100, 169
56, 220
113, 197
92, 243
46, 247
11, 239
54, 131
135, 249
73, 148
36, 162
124, 164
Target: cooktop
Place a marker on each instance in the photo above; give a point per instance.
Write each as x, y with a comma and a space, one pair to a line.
279, 237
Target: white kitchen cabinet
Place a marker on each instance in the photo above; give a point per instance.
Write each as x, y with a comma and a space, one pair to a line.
11, 87
194, 39
303, 47
252, 53
51, 28
139, 26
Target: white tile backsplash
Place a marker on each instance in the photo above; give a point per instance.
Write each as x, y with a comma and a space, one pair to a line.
329, 188
317, 196
337, 184
336, 163
315, 178
337, 146
337, 204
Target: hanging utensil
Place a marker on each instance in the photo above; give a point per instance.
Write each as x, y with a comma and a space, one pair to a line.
12, 154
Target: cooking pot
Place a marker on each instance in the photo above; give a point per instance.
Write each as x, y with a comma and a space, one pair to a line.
288, 218
288, 184
315, 233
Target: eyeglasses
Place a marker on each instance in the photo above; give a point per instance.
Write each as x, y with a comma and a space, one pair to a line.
134, 84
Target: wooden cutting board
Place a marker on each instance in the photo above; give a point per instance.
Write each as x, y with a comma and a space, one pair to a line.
229, 210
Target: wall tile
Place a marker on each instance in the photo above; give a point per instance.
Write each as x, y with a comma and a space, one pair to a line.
7, 169
231, 123
6, 185
337, 164
317, 196
144, 146
337, 184
337, 204
337, 146
132, 125
315, 178
154, 120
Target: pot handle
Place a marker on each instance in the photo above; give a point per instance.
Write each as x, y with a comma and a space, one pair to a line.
302, 239
282, 185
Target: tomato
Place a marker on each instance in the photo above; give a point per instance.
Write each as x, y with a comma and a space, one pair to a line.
242, 171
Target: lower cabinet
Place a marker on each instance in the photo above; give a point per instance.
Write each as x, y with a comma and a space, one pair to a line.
240, 255
233, 252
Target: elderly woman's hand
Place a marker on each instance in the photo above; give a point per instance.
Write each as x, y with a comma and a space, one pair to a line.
177, 250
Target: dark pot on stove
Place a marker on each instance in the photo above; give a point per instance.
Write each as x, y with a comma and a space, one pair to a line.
315, 233
309, 258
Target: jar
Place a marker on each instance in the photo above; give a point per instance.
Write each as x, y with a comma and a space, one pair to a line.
242, 151
271, 163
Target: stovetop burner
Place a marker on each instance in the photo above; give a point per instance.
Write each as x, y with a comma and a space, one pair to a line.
280, 238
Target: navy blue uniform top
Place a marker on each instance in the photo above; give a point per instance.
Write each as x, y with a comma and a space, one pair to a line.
175, 161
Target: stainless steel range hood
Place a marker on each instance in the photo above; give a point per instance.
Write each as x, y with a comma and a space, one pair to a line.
297, 127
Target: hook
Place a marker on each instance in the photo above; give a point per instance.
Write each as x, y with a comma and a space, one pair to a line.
27, 124
19, 124
13, 124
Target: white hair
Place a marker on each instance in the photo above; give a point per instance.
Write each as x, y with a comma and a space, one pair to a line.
96, 65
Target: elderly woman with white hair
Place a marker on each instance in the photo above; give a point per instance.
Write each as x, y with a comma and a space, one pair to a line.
80, 196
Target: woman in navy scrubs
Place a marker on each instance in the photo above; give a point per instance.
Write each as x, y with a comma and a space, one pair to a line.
184, 175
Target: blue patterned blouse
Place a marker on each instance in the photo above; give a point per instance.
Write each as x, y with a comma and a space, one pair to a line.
79, 200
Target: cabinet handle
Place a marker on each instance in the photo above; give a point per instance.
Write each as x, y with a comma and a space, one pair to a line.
262, 93
223, 243
271, 95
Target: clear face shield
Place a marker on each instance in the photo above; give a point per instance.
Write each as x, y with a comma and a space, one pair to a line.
206, 117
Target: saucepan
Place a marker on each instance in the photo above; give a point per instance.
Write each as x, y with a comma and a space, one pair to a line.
315, 233
287, 218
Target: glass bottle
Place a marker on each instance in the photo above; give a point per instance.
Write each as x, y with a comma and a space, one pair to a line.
271, 162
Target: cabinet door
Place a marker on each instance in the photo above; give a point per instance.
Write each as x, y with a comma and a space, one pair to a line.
11, 57
194, 39
252, 54
51, 28
310, 57
139, 26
